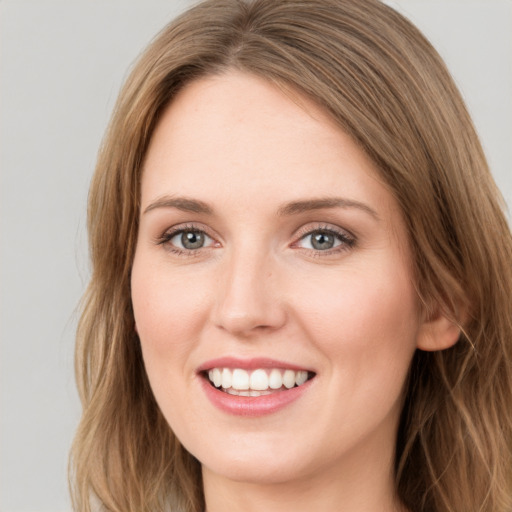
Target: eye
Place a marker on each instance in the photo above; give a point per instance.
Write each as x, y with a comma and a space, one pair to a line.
325, 240
183, 240
190, 240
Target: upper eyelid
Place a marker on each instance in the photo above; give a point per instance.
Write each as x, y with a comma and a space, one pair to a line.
332, 228
164, 237
347, 239
187, 226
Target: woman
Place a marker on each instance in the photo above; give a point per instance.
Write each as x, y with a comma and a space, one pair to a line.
301, 275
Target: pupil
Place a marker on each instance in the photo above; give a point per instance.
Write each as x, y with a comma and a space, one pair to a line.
322, 241
192, 240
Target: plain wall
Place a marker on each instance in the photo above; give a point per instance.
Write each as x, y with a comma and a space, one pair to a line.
61, 66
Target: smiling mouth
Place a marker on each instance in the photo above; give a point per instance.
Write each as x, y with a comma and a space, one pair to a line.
258, 382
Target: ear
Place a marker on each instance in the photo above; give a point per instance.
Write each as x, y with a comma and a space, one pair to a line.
437, 332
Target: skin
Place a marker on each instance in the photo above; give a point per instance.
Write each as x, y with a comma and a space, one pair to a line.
258, 288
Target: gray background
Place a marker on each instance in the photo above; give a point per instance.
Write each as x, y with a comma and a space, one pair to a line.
61, 65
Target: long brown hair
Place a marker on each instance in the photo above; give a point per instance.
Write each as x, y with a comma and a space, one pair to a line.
385, 85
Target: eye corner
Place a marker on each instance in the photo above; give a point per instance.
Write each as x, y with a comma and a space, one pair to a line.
328, 240
187, 240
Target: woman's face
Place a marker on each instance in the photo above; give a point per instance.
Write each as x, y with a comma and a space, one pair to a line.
269, 255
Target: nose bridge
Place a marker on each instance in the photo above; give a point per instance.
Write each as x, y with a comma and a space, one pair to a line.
248, 296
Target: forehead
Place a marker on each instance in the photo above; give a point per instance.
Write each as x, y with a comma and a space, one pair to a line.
238, 125
222, 109
238, 139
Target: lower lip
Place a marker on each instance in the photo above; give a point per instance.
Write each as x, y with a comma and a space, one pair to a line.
253, 405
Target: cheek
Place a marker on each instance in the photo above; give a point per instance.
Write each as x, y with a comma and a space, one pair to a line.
365, 326
168, 309
363, 321
169, 314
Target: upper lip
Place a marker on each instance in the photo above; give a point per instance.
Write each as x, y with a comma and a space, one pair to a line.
249, 364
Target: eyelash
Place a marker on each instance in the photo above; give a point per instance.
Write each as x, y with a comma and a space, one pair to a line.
167, 236
346, 240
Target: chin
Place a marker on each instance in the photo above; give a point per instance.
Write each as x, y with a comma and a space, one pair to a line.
258, 462
257, 472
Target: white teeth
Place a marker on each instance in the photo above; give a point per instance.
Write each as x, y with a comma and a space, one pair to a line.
240, 380
259, 380
256, 383
226, 378
301, 377
275, 379
289, 379
235, 392
217, 377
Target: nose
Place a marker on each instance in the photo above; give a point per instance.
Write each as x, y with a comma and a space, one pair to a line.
249, 298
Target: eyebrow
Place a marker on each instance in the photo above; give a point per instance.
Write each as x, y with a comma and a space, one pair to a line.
187, 204
296, 207
181, 203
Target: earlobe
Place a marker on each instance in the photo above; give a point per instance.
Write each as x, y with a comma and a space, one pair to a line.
438, 333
